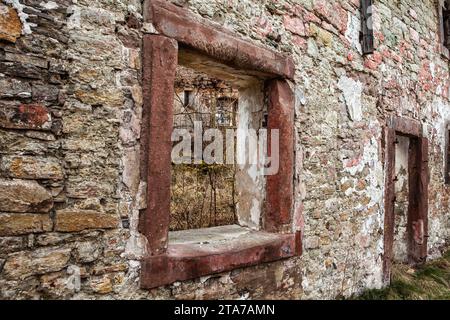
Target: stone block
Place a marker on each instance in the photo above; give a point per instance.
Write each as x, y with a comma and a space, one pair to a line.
72, 220
86, 252
12, 244
100, 270
12, 88
102, 285
60, 285
45, 92
27, 60
24, 264
14, 142
107, 97
14, 224
294, 25
28, 167
24, 196
25, 116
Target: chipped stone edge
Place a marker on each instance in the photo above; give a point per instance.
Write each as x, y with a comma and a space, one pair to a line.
26, 26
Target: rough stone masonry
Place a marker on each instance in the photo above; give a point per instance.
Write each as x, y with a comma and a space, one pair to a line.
70, 110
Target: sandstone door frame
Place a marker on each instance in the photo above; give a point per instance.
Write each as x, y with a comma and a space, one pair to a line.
179, 31
418, 178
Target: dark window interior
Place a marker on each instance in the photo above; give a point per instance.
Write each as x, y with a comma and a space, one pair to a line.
366, 36
446, 24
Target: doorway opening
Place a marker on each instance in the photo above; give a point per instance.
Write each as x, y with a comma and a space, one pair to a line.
406, 194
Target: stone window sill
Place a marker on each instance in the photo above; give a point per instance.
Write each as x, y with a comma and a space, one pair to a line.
196, 253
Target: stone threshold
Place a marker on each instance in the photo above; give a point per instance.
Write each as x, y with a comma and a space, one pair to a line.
196, 253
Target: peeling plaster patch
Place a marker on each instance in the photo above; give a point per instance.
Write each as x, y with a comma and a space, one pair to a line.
306, 81
255, 212
305, 284
136, 246
375, 177
26, 26
374, 190
438, 90
352, 91
433, 69
434, 237
50, 5
380, 245
300, 100
353, 30
205, 278
74, 279
408, 103
440, 124
74, 20
130, 161
375, 274
250, 184
141, 196
377, 17
369, 225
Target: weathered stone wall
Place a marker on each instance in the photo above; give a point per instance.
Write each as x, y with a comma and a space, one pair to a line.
70, 105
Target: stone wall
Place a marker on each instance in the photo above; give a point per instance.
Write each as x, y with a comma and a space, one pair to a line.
70, 107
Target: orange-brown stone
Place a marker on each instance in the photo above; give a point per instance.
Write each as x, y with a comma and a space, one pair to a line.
10, 24
13, 224
78, 220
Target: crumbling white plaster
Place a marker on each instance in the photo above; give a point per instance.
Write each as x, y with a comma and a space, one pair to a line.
374, 190
353, 31
440, 124
352, 91
49, 5
136, 246
250, 181
74, 20
74, 279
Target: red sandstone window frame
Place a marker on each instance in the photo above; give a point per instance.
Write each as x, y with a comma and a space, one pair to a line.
176, 27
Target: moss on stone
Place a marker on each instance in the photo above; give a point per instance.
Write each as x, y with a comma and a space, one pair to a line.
429, 282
